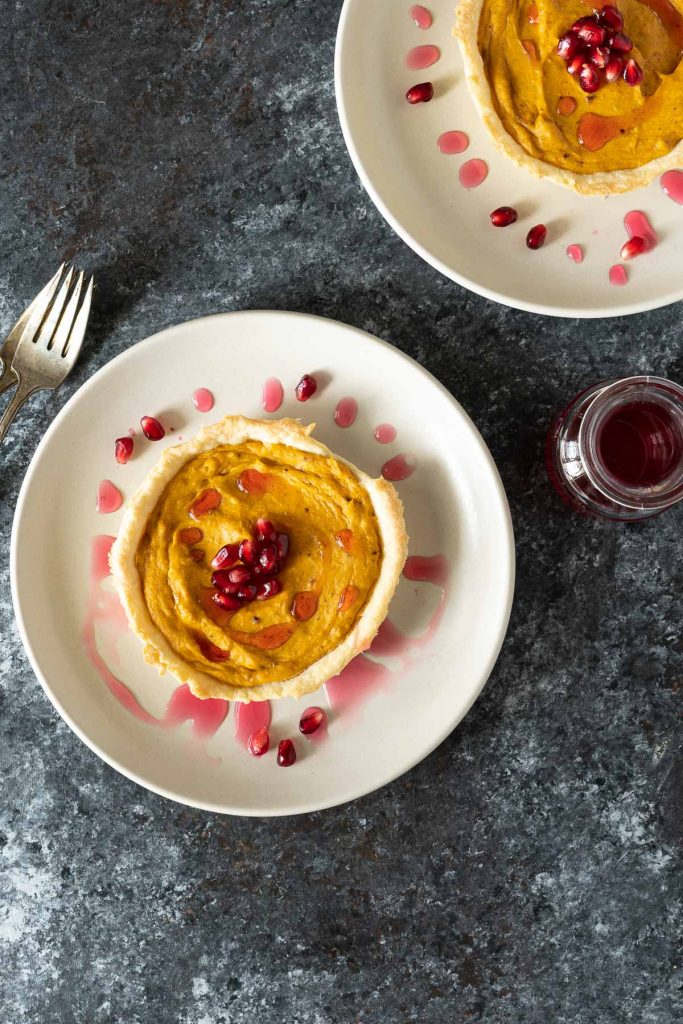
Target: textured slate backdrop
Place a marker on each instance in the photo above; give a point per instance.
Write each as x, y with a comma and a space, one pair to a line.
189, 153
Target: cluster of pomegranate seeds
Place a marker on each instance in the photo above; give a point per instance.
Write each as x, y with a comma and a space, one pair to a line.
503, 216
306, 388
286, 753
152, 429
595, 50
123, 449
421, 93
311, 720
536, 236
247, 571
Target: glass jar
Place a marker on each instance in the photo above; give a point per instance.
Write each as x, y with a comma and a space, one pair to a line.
616, 451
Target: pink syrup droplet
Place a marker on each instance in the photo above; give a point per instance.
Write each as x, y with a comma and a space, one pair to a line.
427, 569
346, 412
637, 223
385, 433
421, 16
453, 142
672, 185
354, 684
206, 716
249, 718
472, 173
108, 497
618, 275
399, 468
421, 57
575, 253
203, 400
273, 394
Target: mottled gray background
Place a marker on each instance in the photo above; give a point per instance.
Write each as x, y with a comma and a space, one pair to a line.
189, 154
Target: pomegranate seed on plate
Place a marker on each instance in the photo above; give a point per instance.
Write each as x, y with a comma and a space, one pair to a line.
569, 45
248, 552
268, 589
247, 592
536, 236
228, 602
311, 720
421, 93
633, 74
264, 530
259, 742
240, 574
621, 42
503, 216
614, 69
635, 246
282, 545
286, 753
268, 558
590, 78
226, 557
611, 18
123, 449
600, 56
306, 388
152, 429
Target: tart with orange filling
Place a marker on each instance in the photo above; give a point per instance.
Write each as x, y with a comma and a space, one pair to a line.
255, 564
591, 98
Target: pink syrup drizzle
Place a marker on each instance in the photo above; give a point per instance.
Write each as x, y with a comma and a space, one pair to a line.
363, 676
421, 57
575, 253
399, 468
109, 497
107, 616
249, 718
618, 275
636, 223
453, 142
472, 173
385, 433
346, 412
273, 393
672, 185
203, 400
421, 16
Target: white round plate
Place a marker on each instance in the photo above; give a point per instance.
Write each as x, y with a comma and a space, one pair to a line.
455, 506
415, 187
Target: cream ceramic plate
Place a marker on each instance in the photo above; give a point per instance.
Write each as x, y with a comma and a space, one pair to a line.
394, 148
455, 507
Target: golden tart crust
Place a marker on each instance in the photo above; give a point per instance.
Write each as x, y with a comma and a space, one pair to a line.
161, 586
470, 31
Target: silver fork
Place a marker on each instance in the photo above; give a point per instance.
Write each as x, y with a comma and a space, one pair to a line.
48, 345
8, 377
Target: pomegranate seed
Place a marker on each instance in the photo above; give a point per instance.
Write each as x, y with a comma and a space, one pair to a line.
226, 557
268, 589
600, 56
633, 73
590, 78
421, 93
589, 30
306, 388
576, 63
311, 720
620, 42
286, 754
190, 535
228, 602
503, 216
570, 44
282, 545
123, 449
264, 529
248, 551
240, 574
614, 69
152, 429
247, 592
259, 742
268, 558
221, 580
611, 18
536, 236
635, 246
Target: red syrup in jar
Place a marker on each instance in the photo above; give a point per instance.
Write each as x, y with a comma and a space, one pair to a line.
421, 16
421, 57
202, 400
249, 718
273, 394
616, 451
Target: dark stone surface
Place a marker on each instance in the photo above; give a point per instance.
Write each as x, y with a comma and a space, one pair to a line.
189, 153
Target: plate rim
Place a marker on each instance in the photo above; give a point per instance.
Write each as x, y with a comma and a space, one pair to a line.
301, 807
539, 308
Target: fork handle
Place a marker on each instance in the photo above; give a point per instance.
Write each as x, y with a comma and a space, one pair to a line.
20, 396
